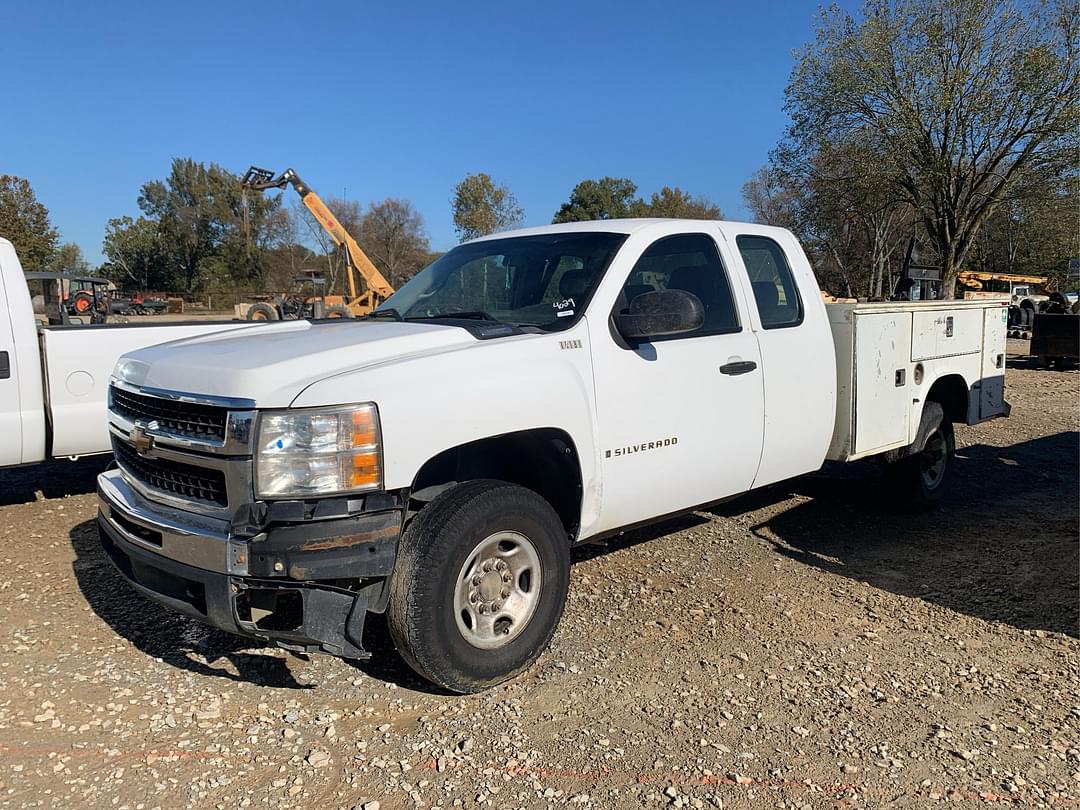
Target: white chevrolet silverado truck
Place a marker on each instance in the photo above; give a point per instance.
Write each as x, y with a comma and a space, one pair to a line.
54, 377
526, 392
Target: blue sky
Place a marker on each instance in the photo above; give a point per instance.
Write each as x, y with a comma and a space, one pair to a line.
392, 99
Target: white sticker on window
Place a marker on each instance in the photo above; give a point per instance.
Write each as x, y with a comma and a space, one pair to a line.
564, 313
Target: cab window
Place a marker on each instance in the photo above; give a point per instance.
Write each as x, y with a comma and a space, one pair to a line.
775, 291
687, 262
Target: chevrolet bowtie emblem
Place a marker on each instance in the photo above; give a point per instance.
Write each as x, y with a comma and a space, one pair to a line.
141, 441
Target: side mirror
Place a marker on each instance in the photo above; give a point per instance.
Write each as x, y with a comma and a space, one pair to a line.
660, 313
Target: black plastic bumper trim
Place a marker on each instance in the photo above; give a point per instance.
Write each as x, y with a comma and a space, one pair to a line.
332, 619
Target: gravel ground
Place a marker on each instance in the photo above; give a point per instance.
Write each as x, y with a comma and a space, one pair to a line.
808, 646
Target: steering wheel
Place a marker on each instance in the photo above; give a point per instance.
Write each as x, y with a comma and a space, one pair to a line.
441, 312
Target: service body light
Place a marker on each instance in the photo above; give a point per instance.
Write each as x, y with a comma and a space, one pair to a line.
311, 452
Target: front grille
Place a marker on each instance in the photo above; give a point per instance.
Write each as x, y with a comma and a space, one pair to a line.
174, 477
183, 418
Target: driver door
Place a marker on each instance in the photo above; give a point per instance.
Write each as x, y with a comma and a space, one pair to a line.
680, 418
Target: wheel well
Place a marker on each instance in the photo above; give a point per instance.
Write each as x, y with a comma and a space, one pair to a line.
543, 460
951, 392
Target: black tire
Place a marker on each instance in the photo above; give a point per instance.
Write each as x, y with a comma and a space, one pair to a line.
921, 478
262, 312
437, 545
338, 311
1027, 314
82, 303
1064, 363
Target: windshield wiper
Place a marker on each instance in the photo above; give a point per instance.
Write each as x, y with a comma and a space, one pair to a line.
387, 311
476, 314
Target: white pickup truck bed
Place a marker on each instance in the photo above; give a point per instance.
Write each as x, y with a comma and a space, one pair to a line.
54, 379
885, 350
76, 364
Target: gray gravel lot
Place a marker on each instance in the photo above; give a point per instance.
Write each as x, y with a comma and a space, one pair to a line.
808, 646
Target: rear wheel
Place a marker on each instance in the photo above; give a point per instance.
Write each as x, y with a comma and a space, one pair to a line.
338, 311
262, 312
479, 585
82, 303
920, 478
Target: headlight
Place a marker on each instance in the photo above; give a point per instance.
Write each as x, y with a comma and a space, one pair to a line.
318, 451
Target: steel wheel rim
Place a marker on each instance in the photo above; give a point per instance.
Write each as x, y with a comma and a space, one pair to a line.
497, 590
935, 456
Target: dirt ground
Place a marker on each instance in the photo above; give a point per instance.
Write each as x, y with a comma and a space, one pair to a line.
808, 646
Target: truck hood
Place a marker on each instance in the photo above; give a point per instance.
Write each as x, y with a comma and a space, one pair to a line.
272, 364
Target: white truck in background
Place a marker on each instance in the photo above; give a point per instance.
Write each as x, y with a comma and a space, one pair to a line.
54, 379
525, 392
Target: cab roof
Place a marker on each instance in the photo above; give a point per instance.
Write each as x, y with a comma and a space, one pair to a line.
626, 226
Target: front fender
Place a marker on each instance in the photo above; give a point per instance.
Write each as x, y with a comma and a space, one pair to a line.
429, 404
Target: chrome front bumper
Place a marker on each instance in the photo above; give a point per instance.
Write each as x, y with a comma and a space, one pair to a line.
288, 584
186, 537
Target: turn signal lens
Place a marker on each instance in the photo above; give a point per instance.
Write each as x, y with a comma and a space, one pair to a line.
365, 472
364, 429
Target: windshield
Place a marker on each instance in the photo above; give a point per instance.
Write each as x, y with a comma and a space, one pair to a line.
543, 281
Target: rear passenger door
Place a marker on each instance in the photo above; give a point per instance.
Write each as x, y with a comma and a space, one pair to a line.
680, 418
797, 352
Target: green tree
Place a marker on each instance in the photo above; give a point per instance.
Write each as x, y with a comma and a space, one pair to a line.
69, 258
959, 97
133, 255
850, 201
606, 198
392, 235
770, 200
481, 206
1034, 232
678, 204
212, 233
25, 223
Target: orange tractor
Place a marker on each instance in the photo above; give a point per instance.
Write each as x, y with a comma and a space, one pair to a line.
356, 303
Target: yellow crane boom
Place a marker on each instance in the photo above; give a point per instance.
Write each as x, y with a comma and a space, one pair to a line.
378, 288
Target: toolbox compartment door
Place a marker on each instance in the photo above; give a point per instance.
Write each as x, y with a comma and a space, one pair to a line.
946, 333
992, 383
882, 388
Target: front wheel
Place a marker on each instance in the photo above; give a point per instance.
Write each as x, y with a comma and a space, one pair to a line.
920, 478
479, 585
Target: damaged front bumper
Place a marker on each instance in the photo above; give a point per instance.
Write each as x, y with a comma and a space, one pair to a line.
303, 585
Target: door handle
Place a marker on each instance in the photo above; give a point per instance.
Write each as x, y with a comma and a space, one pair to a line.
5, 366
740, 367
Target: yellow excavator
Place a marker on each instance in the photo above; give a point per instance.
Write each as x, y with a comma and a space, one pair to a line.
377, 288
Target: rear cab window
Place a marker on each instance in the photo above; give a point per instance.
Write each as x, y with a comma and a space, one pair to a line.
775, 291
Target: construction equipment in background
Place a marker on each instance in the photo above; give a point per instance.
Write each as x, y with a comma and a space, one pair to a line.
356, 304
917, 282
1055, 331
1024, 301
61, 299
297, 303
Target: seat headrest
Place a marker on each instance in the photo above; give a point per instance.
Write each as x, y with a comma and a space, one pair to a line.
574, 283
766, 295
634, 290
698, 279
